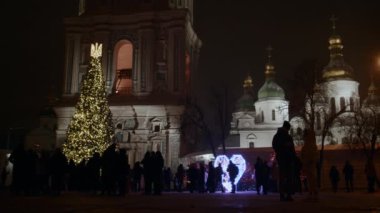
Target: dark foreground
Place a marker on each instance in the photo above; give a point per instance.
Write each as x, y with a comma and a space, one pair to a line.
186, 202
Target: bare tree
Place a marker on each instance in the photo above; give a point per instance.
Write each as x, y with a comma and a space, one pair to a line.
194, 127
363, 131
308, 101
222, 115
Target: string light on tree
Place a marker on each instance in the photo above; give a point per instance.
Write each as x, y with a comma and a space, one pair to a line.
91, 128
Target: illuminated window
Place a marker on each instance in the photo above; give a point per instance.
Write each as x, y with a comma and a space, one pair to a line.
352, 104
123, 56
333, 107
342, 103
187, 70
273, 115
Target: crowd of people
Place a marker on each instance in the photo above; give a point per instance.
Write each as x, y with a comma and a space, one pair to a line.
36, 172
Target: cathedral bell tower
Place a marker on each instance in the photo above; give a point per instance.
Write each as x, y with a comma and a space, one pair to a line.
150, 58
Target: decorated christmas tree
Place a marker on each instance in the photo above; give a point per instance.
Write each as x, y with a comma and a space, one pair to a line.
90, 129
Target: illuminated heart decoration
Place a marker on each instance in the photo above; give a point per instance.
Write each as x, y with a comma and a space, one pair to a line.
223, 160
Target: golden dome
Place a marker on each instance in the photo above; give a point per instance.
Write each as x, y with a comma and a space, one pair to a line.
335, 39
337, 68
248, 83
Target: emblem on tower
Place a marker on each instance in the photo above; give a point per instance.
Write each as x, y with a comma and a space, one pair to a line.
96, 50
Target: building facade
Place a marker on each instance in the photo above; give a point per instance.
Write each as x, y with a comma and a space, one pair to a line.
150, 58
254, 123
337, 98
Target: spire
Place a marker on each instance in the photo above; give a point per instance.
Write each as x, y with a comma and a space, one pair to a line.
269, 68
335, 41
337, 68
333, 20
270, 89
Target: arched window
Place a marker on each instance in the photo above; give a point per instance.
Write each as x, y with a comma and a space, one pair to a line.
318, 115
332, 104
123, 58
273, 115
342, 103
352, 104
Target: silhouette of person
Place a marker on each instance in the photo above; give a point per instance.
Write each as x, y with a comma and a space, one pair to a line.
19, 159
147, 163
122, 172
136, 176
260, 174
93, 168
167, 178
58, 168
219, 177
109, 170
233, 171
334, 178
193, 177
285, 155
348, 171
201, 178
180, 175
211, 178
370, 172
158, 165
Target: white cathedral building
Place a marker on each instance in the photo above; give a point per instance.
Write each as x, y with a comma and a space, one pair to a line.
254, 123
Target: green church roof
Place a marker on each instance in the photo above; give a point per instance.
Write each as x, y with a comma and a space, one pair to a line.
271, 89
246, 103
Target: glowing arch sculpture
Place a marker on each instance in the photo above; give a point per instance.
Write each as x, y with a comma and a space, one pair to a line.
223, 160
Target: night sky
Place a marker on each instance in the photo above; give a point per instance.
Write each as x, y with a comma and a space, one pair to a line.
235, 34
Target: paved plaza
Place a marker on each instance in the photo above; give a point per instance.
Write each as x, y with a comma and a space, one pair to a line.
186, 202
